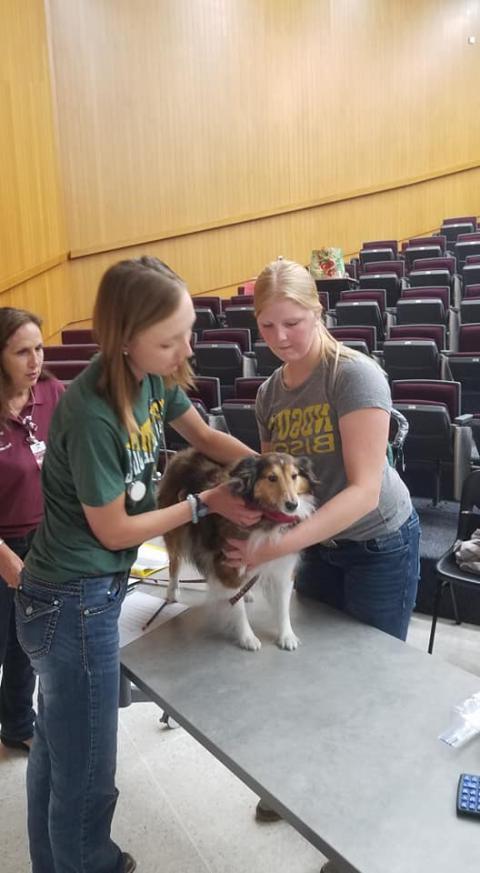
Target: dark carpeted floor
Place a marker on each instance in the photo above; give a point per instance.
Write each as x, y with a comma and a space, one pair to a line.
439, 527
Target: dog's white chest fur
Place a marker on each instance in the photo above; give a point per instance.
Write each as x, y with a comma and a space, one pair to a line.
275, 578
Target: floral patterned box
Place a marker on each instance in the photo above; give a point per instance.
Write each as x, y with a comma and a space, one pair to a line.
327, 263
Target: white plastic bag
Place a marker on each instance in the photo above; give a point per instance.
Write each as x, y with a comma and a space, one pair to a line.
465, 723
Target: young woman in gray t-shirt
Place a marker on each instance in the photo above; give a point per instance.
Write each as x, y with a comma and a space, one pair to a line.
361, 547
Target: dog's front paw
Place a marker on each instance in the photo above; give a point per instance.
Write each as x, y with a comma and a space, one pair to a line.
250, 642
173, 590
288, 641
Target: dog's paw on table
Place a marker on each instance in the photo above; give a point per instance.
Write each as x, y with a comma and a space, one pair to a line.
288, 641
250, 642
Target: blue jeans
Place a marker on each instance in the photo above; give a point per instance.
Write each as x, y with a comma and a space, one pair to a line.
374, 581
17, 715
70, 633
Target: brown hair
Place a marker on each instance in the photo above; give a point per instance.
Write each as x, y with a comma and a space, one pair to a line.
132, 296
11, 320
287, 280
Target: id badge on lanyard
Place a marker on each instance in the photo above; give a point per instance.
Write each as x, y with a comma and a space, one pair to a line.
37, 448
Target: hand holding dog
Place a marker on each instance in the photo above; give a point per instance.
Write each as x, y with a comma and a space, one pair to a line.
223, 502
238, 554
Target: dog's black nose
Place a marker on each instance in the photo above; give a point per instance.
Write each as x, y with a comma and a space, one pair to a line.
291, 505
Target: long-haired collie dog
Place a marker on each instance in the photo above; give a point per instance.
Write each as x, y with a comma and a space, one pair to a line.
278, 485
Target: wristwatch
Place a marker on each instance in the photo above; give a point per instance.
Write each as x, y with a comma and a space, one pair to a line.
202, 508
198, 507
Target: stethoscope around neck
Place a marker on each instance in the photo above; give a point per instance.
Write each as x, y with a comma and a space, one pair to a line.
136, 491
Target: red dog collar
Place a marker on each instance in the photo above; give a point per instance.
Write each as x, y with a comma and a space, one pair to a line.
273, 515
279, 517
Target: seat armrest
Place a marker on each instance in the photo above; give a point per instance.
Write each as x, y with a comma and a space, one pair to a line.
463, 419
453, 325
249, 364
216, 420
445, 372
462, 454
456, 286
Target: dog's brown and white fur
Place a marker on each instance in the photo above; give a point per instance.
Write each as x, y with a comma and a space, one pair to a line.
275, 483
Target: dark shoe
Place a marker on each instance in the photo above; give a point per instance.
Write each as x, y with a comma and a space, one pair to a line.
328, 868
265, 813
129, 863
15, 744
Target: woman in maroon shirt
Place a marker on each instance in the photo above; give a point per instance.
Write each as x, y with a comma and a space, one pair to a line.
28, 397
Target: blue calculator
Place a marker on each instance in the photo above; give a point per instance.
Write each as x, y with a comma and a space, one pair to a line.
468, 795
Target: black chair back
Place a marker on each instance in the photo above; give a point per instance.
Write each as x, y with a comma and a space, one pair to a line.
469, 515
242, 316
391, 283
242, 422
267, 362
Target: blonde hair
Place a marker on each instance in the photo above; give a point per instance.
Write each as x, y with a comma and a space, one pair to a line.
133, 295
287, 280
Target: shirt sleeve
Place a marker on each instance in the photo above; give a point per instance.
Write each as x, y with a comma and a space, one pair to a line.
176, 403
262, 411
360, 384
95, 455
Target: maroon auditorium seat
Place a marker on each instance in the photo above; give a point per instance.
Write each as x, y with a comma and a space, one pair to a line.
241, 300
471, 291
239, 335
206, 389
364, 333
70, 352
382, 244
246, 388
376, 294
66, 370
213, 302
425, 292
397, 267
79, 335
435, 332
448, 263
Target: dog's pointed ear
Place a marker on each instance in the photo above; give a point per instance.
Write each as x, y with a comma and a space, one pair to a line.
243, 477
305, 468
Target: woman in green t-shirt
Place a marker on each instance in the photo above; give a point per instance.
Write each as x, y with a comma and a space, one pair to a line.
102, 452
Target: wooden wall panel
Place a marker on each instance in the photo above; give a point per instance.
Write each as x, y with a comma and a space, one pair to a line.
48, 295
177, 115
32, 236
222, 133
219, 260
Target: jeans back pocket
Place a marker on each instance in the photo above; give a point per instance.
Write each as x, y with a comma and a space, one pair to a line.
36, 619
